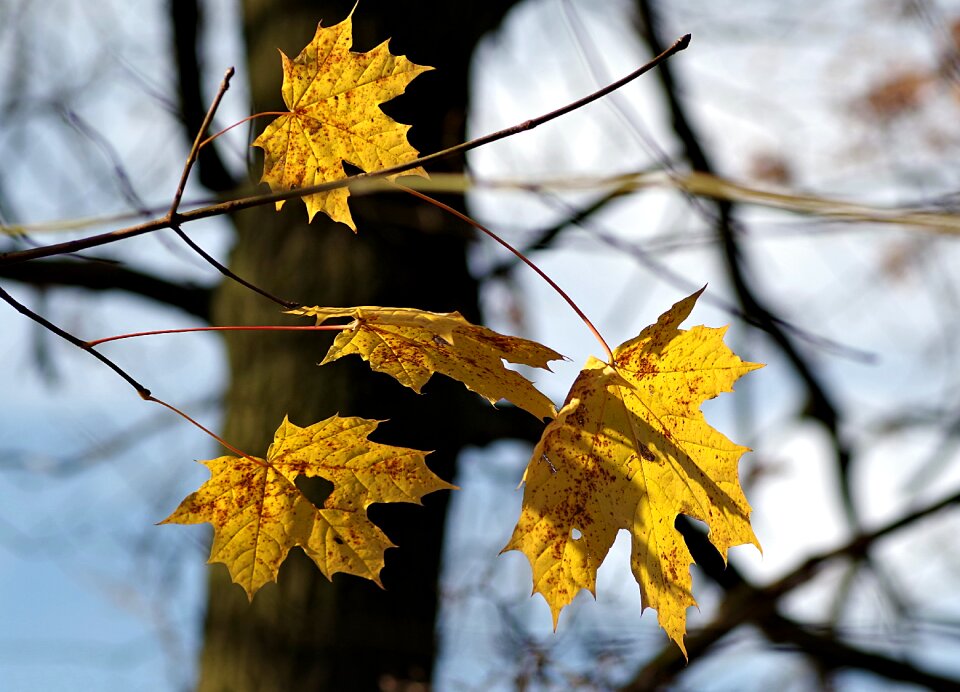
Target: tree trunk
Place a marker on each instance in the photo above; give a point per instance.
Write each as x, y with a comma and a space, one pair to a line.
306, 633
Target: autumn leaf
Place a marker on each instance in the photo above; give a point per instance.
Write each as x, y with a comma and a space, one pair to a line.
259, 514
630, 449
333, 95
410, 345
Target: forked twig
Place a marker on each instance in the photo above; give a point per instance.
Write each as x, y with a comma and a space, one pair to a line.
172, 215
195, 149
79, 343
142, 391
174, 219
260, 200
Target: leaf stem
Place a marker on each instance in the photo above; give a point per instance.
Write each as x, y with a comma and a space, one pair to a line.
240, 122
479, 226
268, 198
235, 328
209, 432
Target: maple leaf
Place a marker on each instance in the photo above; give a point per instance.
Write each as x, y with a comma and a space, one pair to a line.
333, 95
259, 514
630, 449
410, 345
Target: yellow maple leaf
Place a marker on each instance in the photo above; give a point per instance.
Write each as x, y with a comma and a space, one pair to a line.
259, 514
630, 449
333, 95
410, 345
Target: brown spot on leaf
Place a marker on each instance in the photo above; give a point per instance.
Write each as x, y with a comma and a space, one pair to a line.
615, 431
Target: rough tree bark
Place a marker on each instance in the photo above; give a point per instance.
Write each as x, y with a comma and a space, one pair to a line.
306, 633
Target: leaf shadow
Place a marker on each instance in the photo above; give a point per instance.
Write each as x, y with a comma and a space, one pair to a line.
691, 473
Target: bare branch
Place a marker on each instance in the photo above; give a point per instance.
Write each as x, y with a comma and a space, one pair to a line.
102, 276
744, 603
820, 404
186, 19
260, 200
223, 269
195, 149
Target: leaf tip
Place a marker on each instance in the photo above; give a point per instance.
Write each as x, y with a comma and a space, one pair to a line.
682, 647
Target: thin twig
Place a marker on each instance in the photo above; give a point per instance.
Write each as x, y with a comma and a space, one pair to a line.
195, 149
268, 198
678, 45
227, 272
172, 215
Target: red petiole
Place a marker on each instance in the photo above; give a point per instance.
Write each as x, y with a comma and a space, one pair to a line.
553, 284
240, 122
235, 328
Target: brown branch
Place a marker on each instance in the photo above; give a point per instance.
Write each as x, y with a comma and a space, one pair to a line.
172, 215
229, 273
829, 652
260, 200
744, 603
833, 654
102, 276
195, 149
855, 548
186, 18
820, 405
